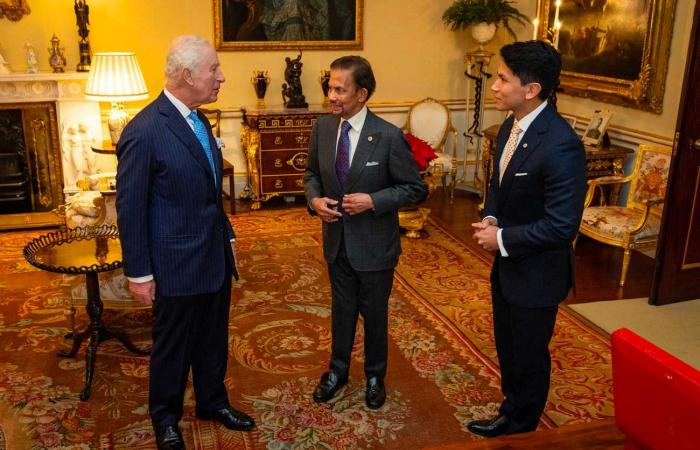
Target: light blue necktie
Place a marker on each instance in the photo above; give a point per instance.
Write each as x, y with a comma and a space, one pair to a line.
201, 132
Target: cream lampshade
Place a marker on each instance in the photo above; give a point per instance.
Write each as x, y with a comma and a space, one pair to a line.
116, 78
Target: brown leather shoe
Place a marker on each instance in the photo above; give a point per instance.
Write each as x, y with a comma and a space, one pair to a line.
168, 437
229, 417
327, 387
489, 428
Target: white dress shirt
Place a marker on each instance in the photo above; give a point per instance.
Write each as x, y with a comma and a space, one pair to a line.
523, 124
356, 123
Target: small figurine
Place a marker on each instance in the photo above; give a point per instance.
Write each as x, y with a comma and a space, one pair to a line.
325, 79
57, 60
32, 63
4, 68
82, 15
291, 90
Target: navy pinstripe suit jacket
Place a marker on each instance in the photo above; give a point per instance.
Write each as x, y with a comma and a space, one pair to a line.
169, 211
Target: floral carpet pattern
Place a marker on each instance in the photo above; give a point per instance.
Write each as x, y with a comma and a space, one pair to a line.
442, 363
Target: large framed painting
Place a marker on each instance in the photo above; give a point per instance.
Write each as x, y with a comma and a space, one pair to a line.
287, 24
613, 50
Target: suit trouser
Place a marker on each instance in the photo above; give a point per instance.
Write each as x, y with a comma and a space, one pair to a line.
357, 292
189, 331
522, 343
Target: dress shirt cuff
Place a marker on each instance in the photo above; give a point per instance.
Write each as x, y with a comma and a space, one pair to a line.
499, 238
232, 240
142, 279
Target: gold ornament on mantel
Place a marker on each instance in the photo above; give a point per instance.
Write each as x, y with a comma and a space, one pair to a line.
57, 59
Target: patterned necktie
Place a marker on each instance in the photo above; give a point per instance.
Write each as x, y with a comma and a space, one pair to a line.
342, 156
201, 132
511, 145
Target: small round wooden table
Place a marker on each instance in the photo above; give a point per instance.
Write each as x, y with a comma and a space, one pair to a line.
87, 251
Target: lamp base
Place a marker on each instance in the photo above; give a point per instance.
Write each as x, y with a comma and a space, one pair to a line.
118, 118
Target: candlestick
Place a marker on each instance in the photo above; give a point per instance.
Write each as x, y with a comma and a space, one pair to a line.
556, 11
555, 37
535, 24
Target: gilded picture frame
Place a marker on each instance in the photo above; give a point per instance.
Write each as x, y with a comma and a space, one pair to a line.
614, 51
241, 25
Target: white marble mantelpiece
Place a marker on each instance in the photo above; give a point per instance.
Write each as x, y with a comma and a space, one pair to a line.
42, 86
73, 111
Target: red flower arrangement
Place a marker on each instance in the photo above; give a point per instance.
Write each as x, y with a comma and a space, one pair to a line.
423, 153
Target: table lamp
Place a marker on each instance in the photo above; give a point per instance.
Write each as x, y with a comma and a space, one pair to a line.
116, 78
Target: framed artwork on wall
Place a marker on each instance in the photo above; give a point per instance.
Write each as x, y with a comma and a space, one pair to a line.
613, 50
596, 128
287, 24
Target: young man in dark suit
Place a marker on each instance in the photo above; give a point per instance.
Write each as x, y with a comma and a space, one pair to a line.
360, 172
532, 215
177, 242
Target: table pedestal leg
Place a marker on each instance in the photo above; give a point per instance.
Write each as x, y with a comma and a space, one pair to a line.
96, 333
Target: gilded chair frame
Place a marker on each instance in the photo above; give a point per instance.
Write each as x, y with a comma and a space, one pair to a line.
438, 169
649, 207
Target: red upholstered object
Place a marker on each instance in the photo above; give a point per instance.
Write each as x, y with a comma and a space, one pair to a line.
657, 396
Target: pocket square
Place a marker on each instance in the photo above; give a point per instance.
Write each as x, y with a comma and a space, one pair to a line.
372, 163
521, 174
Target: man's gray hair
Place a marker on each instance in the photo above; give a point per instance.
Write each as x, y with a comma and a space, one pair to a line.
185, 53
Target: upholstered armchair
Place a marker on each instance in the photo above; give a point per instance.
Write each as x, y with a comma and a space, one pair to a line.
429, 120
635, 225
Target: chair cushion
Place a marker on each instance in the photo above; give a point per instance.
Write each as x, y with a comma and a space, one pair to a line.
613, 221
443, 161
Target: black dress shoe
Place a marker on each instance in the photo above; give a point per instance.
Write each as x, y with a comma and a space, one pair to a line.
168, 437
375, 395
326, 388
229, 417
489, 428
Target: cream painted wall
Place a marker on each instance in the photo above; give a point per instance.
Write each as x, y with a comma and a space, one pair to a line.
413, 54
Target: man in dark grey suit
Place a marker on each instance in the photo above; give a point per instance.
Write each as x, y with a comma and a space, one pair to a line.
532, 214
177, 242
360, 172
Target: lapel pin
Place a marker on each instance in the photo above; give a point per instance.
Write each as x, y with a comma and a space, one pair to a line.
525, 145
369, 138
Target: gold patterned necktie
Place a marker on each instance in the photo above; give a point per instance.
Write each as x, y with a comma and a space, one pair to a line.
511, 145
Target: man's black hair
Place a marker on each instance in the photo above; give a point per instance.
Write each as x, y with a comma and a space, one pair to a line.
534, 62
361, 71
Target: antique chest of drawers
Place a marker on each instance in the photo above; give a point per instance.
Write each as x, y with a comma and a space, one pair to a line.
275, 144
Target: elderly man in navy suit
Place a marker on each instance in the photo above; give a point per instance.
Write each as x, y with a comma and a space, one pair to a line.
532, 215
360, 172
177, 243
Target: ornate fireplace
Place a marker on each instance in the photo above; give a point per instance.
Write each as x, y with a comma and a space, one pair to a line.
46, 131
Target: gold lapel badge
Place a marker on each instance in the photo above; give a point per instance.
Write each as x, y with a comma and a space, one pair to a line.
369, 138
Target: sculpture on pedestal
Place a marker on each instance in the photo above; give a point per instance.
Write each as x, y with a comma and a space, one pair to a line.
82, 11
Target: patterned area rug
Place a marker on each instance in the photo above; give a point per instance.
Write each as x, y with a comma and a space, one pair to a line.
442, 366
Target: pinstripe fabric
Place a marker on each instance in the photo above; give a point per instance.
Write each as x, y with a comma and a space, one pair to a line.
203, 137
169, 212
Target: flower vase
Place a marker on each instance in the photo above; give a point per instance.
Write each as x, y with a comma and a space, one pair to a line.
482, 33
